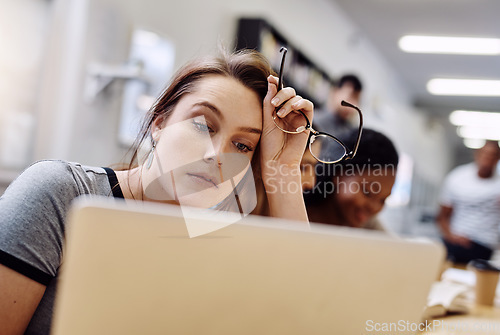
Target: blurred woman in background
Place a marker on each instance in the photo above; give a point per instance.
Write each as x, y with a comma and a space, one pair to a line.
352, 192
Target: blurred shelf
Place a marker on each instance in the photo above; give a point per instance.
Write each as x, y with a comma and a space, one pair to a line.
308, 79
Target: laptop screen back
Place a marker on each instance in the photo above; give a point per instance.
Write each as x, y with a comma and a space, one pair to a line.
134, 269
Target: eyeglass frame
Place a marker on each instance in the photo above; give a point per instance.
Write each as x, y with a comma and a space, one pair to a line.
348, 154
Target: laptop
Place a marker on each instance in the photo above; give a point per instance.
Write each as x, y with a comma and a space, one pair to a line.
131, 268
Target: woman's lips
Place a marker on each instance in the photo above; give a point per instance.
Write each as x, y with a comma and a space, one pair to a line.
204, 179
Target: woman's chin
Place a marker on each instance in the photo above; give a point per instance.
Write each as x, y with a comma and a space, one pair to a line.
206, 198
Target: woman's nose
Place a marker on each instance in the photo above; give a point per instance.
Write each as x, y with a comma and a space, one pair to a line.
213, 154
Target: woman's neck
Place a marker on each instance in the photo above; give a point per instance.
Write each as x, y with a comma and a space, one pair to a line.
130, 183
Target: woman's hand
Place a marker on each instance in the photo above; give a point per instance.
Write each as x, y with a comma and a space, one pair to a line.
281, 153
276, 145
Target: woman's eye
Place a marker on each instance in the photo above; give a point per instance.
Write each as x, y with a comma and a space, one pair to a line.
202, 127
242, 147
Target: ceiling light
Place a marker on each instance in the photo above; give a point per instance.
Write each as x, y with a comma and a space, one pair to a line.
484, 133
466, 87
450, 45
474, 143
475, 118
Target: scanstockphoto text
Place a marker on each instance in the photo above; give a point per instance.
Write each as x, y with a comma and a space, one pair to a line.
450, 327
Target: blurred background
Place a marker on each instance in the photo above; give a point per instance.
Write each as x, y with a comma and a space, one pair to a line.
76, 75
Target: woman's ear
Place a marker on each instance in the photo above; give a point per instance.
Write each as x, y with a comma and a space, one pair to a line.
156, 128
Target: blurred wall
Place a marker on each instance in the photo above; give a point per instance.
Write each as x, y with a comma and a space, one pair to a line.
100, 30
85, 31
23, 29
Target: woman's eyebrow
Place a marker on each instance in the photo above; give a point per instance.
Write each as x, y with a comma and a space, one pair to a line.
216, 111
250, 130
211, 107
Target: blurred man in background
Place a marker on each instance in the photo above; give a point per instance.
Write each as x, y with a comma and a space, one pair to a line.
469, 216
338, 120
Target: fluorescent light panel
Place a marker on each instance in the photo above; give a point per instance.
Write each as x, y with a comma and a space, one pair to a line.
476, 127
483, 133
475, 118
464, 87
450, 45
474, 143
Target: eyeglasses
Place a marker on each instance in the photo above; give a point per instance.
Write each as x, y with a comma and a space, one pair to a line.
332, 149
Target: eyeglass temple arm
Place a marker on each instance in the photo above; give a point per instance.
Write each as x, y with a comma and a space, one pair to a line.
360, 129
280, 79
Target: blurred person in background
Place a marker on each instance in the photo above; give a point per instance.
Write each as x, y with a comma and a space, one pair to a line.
469, 215
215, 107
337, 119
352, 192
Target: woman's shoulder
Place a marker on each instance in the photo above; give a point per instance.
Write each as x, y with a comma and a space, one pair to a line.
47, 172
59, 176
44, 170
48, 166
62, 168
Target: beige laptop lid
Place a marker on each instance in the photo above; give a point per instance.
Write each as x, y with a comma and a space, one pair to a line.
132, 269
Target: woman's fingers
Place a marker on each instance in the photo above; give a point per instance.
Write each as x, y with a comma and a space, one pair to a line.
272, 89
286, 100
287, 107
276, 144
294, 104
305, 106
282, 96
273, 79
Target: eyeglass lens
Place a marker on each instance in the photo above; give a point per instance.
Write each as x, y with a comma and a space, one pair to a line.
326, 148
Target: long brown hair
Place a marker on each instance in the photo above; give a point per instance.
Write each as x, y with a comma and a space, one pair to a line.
247, 66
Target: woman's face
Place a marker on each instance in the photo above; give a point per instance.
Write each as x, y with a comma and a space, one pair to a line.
359, 197
206, 144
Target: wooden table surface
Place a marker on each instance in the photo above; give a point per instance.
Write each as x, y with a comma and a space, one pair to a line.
480, 320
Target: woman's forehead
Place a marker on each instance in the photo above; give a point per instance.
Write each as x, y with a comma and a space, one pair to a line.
219, 86
227, 98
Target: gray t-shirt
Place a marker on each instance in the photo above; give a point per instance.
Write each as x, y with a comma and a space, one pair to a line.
476, 204
33, 213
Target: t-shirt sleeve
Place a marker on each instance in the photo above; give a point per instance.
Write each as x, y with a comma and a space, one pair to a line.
32, 214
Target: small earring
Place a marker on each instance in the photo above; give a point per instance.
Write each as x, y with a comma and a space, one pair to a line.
151, 156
